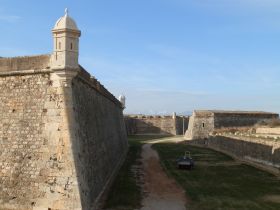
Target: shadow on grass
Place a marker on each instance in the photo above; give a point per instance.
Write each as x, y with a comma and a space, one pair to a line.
218, 183
125, 193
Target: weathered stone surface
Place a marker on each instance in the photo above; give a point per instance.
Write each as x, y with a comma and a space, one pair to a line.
38, 62
239, 118
62, 134
21, 106
61, 141
254, 150
156, 125
202, 123
265, 130
99, 144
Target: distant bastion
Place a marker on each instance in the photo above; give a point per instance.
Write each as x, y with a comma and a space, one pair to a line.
203, 122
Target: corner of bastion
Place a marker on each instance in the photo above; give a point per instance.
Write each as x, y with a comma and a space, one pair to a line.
62, 133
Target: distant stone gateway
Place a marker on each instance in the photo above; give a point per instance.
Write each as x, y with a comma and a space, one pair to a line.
62, 134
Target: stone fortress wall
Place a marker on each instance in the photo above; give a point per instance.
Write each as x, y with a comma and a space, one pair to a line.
200, 125
100, 136
62, 134
240, 118
22, 138
30, 63
232, 133
261, 152
42, 164
267, 130
204, 122
155, 124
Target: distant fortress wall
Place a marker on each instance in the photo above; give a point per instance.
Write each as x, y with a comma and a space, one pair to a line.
262, 152
155, 124
62, 136
239, 119
204, 122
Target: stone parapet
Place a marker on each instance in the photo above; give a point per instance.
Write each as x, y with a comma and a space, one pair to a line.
94, 83
41, 64
140, 116
37, 62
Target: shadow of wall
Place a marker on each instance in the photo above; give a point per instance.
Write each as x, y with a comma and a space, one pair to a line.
251, 151
182, 124
156, 125
276, 157
150, 125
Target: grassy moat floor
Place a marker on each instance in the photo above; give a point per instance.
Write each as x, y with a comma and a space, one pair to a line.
125, 193
217, 181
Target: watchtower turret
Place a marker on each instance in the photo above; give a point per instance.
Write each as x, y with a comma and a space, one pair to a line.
66, 43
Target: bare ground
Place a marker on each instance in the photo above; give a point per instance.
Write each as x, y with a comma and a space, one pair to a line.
272, 198
161, 192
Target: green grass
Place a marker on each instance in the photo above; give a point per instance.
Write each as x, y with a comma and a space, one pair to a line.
125, 193
218, 182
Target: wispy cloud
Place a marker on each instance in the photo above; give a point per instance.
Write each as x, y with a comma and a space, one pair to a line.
179, 53
126, 71
9, 18
159, 101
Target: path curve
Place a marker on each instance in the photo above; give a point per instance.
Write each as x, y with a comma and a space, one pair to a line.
162, 192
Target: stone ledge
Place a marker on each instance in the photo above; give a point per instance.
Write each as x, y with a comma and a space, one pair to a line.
94, 83
25, 72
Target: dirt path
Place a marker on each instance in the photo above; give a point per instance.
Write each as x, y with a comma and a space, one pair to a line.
162, 192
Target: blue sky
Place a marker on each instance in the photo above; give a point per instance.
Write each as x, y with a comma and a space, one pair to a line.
164, 55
